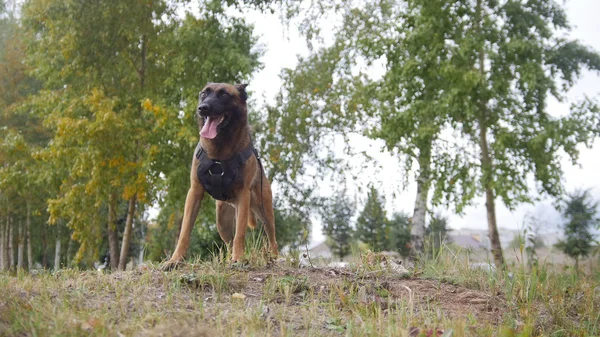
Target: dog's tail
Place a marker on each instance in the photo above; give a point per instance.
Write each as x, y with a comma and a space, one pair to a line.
252, 221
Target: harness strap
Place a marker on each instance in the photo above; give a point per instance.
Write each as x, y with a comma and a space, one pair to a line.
218, 176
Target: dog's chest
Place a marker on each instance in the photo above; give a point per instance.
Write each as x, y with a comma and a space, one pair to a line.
219, 177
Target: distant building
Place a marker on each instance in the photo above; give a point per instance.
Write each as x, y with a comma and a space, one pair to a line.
479, 239
468, 241
468, 238
320, 250
551, 238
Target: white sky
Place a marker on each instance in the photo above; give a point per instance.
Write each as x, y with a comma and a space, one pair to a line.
283, 45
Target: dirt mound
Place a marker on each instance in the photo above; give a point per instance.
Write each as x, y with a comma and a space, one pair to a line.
212, 299
378, 289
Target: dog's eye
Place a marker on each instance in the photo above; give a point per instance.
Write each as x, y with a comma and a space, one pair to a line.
203, 95
223, 94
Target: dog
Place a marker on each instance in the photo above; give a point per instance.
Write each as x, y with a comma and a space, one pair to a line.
226, 166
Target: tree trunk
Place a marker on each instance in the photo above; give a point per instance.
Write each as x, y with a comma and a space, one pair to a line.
3, 257
20, 247
113, 239
127, 233
486, 160
11, 248
69, 254
28, 230
44, 246
57, 254
493, 228
417, 231
143, 234
132, 201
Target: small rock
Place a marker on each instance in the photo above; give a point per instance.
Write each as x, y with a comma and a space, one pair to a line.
337, 264
238, 296
483, 266
265, 312
304, 260
478, 301
394, 266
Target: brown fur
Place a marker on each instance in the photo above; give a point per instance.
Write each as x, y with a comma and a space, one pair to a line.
250, 198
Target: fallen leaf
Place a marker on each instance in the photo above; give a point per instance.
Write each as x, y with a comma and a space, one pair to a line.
362, 295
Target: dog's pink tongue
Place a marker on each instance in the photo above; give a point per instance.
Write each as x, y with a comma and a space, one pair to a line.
209, 130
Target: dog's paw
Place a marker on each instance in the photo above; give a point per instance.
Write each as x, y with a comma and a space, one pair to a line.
171, 265
239, 265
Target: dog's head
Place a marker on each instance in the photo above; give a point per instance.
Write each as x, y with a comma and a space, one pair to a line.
220, 106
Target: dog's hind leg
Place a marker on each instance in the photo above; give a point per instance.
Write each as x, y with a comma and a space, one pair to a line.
225, 221
252, 221
262, 205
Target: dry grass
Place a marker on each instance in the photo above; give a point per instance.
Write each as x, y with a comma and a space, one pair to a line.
441, 297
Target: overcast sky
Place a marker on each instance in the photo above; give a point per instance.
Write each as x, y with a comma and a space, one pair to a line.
282, 47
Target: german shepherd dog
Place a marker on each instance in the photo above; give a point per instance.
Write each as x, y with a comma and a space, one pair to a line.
226, 166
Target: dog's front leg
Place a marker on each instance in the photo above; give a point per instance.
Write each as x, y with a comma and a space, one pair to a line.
242, 209
190, 212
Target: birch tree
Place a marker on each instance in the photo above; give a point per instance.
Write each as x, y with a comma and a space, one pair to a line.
479, 71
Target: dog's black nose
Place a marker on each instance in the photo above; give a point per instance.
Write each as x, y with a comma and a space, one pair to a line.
203, 108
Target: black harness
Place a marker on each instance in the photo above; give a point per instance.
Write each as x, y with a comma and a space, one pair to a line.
218, 176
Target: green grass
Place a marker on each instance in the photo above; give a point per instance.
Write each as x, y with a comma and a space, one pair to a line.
441, 295
542, 300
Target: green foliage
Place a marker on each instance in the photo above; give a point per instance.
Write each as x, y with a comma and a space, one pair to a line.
115, 119
23, 184
437, 231
312, 112
205, 241
581, 215
526, 66
97, 73
372, 222
379, 232
336, 216
481, 71
398, 232
292, 228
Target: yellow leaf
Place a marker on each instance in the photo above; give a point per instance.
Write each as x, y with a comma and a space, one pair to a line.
147, 104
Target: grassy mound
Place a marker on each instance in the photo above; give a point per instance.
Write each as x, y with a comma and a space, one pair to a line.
441, 297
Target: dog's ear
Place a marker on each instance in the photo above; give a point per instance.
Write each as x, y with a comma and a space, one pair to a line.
242, 90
